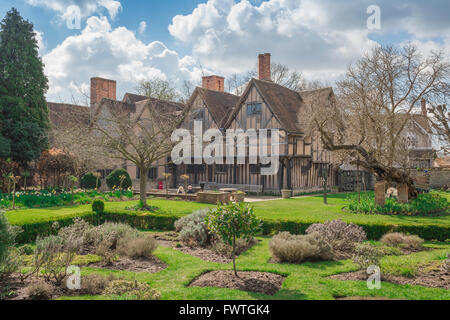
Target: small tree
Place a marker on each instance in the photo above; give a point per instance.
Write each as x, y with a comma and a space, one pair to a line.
232, 222
166, 176
73, 180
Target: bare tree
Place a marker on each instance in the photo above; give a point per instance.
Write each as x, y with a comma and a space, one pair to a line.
440, 122
375, 106
141, 137
158, 89
280, 74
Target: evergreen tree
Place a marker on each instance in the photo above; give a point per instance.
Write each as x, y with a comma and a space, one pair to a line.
24, 121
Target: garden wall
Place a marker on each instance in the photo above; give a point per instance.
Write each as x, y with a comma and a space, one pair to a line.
439, 177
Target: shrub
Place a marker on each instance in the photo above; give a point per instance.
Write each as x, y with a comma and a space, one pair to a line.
340, 235
299, 248
40, 290
26, 250
134, 248
77, 232
428, 203
366, 255
89, 181
95, 284
8, 255
226, 250
98, 206
193, 229
131, 290
103, 249
113, 179
111, 233
232, 222
54, 255
397, 239
424, 204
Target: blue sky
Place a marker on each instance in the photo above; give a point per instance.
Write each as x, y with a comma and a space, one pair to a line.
184, 39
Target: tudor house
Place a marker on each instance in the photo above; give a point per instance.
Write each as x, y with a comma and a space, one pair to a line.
263, 105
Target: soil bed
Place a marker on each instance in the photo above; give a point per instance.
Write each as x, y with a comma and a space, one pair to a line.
435, 278
151, 265
253, 281
170, 240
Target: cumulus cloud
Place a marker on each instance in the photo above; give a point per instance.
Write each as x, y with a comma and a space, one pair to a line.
87, 7
318, 37
142, 27
100, 50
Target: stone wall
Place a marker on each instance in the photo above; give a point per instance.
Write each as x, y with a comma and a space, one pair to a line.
439, 177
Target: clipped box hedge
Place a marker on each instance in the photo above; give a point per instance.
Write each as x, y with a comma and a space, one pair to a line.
166, 222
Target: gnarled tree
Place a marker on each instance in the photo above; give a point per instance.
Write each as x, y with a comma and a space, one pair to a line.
376, 103
140, 135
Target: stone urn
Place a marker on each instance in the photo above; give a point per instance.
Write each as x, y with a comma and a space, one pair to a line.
239, 196
286, 194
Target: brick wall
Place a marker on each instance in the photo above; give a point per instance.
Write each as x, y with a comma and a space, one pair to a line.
439, 177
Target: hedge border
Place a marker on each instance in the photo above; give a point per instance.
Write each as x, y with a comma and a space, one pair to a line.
269, 227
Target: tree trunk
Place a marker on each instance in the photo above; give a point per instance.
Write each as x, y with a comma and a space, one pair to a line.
143, 186
234, 256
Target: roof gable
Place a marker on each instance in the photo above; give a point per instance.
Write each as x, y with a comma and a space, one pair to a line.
219, 104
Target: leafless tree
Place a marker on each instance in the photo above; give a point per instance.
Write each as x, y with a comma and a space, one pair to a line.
141, 137
159, 89
375, 105
440, 122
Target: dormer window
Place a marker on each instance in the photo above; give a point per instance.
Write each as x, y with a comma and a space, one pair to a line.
254, 109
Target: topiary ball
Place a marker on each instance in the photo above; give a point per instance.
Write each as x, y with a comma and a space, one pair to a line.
89, 181
113, 180
98, 206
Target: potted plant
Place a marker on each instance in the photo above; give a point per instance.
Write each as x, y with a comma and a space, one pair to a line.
239, 196
286, 194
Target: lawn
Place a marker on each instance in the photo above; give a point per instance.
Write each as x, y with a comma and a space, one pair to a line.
28, 216
312, 209
290, 215
307, 281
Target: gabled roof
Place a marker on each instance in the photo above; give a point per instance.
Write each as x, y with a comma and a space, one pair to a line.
115, 107
133, 98
62, 114
220, 104
286, 104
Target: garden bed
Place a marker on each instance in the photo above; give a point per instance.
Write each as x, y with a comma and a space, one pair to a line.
434, 278
151, 265
170, 240
252, 281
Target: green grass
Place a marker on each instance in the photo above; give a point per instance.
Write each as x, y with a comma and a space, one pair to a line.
312, 209
307, 281
28, 216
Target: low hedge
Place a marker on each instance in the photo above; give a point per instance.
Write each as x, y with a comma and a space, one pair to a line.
166, 222
373, 231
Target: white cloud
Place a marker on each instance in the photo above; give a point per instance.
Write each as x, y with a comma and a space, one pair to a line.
87, 7
40, 42
317, 37
142, 27
115, 54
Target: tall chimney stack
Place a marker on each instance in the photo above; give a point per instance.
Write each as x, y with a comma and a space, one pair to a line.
102, 88
215, 83
424, 108
264, 66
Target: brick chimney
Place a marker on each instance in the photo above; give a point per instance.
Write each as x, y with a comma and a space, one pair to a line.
215, 83
264, 66
102, 88
424, 108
